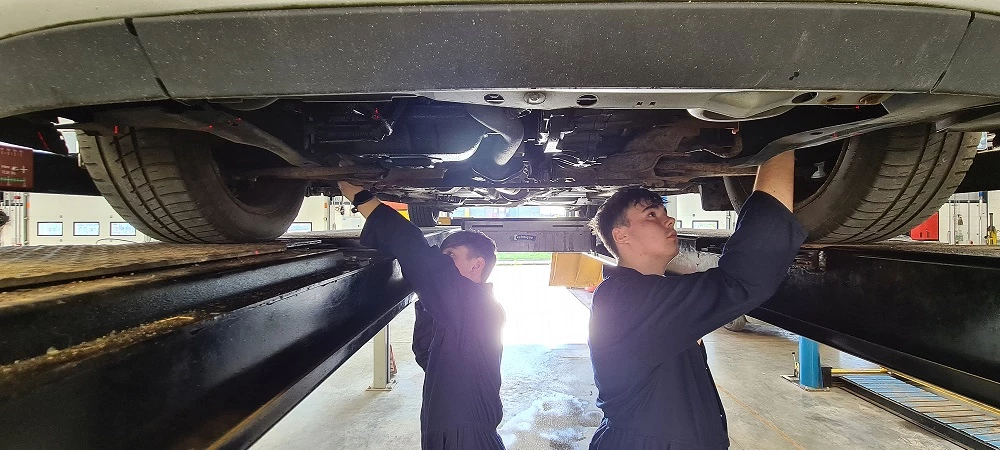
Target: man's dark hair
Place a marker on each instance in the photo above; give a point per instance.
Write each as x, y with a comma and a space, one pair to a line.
612, 213
479, 245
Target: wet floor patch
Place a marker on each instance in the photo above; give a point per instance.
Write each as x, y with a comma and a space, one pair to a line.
556, 420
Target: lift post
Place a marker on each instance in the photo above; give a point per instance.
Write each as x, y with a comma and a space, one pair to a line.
382, 377
810, 373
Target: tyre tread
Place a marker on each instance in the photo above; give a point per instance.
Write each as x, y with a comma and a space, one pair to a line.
138, 172
920, 171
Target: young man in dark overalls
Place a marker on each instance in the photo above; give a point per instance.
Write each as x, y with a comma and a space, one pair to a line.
457, 334
650, 366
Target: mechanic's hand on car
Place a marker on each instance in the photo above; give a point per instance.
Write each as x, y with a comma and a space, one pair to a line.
349, 190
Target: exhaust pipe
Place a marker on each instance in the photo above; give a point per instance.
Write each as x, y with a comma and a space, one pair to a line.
504, 121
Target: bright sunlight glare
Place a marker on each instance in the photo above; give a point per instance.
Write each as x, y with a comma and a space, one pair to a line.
538, 314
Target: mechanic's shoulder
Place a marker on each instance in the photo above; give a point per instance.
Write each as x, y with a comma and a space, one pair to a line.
617, 286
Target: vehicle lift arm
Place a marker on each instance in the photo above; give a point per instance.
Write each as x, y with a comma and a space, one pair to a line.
158, 345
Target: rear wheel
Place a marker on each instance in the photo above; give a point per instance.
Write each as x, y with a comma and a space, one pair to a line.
423, 215
881, 185
170, 185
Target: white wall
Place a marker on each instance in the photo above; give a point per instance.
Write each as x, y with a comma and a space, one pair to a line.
686, 208
322, 214
342, 217
319, 214
975, 218
90, 213
53, 211
313, 216
975, 215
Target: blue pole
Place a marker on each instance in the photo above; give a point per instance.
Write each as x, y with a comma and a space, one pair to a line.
810, 374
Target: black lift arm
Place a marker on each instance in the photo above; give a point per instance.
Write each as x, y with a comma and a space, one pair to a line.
208, 346
926, 310
157, 345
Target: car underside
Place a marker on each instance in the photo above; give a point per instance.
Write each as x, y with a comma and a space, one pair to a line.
223, 149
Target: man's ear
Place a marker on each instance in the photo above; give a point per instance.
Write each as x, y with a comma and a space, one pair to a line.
478, 266
620, 235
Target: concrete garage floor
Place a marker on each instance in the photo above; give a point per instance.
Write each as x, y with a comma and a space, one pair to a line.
548, 388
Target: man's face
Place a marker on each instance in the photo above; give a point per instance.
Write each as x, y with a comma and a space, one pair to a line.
650, 233
469, 266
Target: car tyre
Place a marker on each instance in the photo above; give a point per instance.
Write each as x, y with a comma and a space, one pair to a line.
883, 184
423, 215
169, 185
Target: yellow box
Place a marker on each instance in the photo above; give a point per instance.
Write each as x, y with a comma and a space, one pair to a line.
576, 270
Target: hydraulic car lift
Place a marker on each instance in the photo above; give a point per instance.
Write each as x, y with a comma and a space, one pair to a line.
926, 310
157, 345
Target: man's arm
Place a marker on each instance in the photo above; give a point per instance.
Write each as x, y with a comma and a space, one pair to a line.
349, 190
777, 178
423, 334
432, 274
673, 312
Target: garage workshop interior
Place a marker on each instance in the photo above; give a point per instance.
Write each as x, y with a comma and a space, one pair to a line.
182, 266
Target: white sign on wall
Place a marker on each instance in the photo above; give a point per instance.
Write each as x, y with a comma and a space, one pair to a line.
86, 229
50, 228
122, 229
300, 227
705, 224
